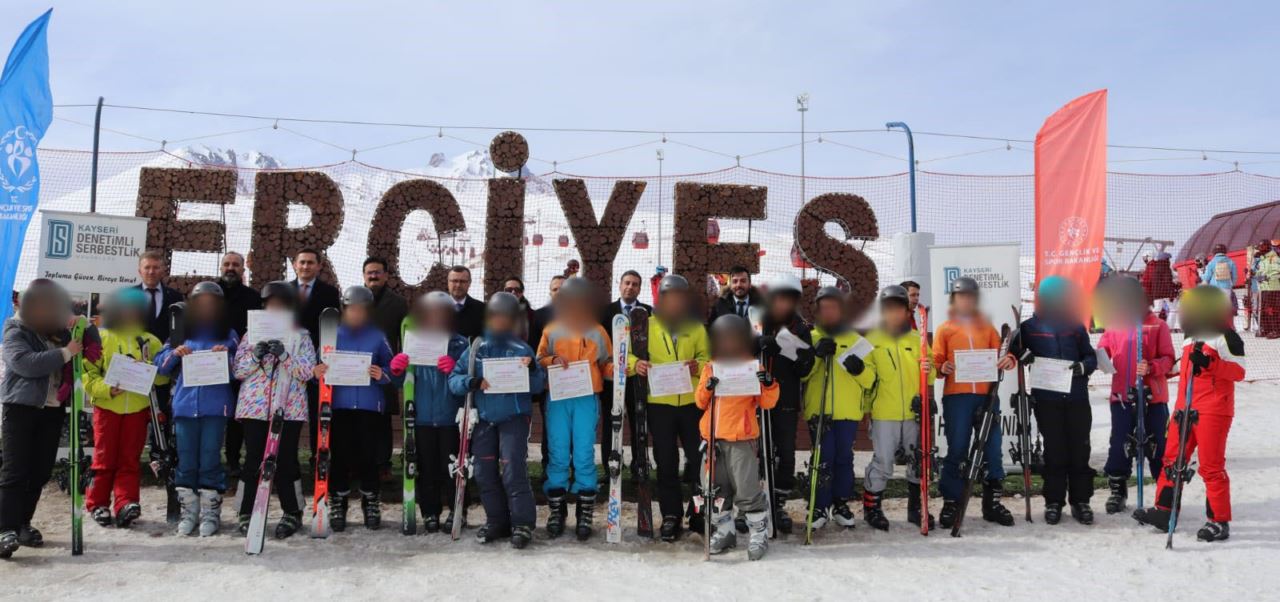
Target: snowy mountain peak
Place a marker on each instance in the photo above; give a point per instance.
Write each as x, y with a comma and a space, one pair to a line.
226, 157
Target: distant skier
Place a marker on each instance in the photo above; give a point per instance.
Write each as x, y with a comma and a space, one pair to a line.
1213, 356
1056, 331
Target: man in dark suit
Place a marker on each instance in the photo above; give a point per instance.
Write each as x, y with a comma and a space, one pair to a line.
240, 300
153, 269
389, 311
470, 318
628, 300
738, 298
541, 318
314, 296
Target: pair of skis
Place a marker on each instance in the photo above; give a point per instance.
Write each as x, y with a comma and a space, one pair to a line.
767, 456
975, 463
256, 537
816, 471
621, 333
1139, 445
1180, 472
927, 451
1020, 449
324, 422
409, 449
76, 452
163, 455
461, 464
639, 319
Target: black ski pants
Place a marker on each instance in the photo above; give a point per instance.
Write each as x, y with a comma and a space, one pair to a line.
435, 489
1065, 425
673, 428
355, 449
288, 477
29, 437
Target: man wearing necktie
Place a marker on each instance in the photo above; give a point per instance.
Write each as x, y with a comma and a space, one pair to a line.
314, 296
470, 319
738, 298
628, 299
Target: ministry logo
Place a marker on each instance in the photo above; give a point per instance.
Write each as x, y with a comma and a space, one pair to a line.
17, 160
1072, 231
61, 233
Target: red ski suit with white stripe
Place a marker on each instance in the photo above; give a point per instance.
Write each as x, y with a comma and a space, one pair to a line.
1214, 399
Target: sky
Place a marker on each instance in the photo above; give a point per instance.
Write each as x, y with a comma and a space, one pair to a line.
1180, 74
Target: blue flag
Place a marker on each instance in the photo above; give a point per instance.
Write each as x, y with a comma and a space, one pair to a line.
26, 108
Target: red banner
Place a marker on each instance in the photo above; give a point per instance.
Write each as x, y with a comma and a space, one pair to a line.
1071, 192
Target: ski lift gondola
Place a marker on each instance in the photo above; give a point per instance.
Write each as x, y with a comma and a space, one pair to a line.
797, 259
640, 240
537, 240
564, 240
713, 231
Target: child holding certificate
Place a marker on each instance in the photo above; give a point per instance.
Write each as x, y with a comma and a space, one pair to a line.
437, 422
357, 408
1056, 332
737, 465
895, 403
575, 340
677, 350
120, 417
200, 413
502, 383
967, 330
836, 395
273, 374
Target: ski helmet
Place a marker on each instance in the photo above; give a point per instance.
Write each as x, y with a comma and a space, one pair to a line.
731, 326
357, 295
281, 290
576, 287
437, 300
963, 284
673, 283
208, 287
829, 292
503, 303
895, 294
786, 283
1219, 249
1056, 295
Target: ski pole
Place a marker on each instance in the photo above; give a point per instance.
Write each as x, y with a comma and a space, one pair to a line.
1180, 464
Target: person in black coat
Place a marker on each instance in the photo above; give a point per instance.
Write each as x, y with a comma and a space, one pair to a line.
314, 296
628, 300
153, 269
389, 311
239, 301
738, 298
470, 317
541, 318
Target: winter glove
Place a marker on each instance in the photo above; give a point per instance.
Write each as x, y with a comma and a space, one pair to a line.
445, 364
825, 348
1199, 359
261, 350
712, 383
399, 364
1027, 358
473, 384
768, 345
1077, 368
765, 378
804, 361
275, 348
915, 406
853, 365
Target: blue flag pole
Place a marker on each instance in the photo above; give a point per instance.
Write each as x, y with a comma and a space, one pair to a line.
26, 109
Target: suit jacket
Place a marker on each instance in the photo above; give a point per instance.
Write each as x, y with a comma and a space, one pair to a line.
541, 318
389, 310
470, 321
240, 300
158, 325
727, 304
615, 308
322, 296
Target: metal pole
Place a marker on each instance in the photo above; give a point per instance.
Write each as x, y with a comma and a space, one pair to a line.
911, 165
802, 105
661, 156
93, 170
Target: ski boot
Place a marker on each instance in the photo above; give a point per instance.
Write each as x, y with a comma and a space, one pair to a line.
447, 525
992, 510
843, 515
1053, 512
947, 517
30, 537
670, 529
759, 542
1155, 517
127, 514
558, 513
1214, 531
740, 524
338, 511
1082, 513
782, 520
696, 524
521, 535
210, 513
8, 543
288, 525
189, 501
431, 523
586, 512
371, 507
872, 511
725, 535
488, 533
820, 518
102, 516
913, 505
1119, 494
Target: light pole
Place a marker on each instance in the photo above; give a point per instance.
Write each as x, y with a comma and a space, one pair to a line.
661, 156
911, 164
802, 105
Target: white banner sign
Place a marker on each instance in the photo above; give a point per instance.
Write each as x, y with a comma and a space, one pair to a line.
90, 252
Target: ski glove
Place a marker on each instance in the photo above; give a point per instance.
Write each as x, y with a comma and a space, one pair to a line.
915, 406
399, 364
445, 364
473, 384
825, 348
261, 350
804, 361
712, 382
854, 365
1027, 358
1077, 368
1200, 359
765, 378
767, 345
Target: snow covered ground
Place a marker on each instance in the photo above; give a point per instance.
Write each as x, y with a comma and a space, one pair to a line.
1113, 558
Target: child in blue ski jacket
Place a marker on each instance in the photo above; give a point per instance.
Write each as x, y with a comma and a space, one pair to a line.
357, 412
436, 429
501, 433
200, 413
